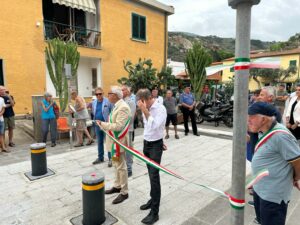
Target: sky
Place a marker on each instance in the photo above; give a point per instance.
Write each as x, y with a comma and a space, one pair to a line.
272, 20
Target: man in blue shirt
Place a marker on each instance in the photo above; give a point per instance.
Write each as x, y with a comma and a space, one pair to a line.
188, 103
101, 109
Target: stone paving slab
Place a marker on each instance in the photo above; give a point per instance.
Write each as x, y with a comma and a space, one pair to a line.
57, 199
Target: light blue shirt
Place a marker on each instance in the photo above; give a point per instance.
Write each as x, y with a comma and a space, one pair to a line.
50, 113
106, 108
275, 155
187, 98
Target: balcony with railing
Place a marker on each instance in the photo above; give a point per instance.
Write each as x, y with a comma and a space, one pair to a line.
82, 36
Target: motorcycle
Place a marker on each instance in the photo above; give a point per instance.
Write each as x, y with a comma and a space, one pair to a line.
215, 112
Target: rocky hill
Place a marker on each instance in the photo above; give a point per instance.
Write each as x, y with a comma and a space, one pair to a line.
220, 48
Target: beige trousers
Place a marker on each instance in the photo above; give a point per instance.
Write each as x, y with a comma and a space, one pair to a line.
121, 176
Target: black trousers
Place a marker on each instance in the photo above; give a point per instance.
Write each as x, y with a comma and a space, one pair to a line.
186, 114
269, 213
153, 150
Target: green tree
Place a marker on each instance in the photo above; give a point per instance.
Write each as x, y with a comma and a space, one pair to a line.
140, 75
272, 76
59, 53
165, 79
196, 60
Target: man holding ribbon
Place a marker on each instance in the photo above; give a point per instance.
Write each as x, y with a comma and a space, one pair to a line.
119, 121
154, 117
278, 151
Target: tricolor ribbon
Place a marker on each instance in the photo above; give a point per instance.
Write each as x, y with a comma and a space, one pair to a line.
268, 135
234, 202
242, 64
115, 148
246, 63
255, 179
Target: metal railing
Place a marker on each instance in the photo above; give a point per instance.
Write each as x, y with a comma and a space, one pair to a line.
80, 35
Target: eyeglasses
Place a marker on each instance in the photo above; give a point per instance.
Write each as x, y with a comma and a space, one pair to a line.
110, 93
99, 94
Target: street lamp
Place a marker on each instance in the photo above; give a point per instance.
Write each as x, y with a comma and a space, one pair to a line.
241, 85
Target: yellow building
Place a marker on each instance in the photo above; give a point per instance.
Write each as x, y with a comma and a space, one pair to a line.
287, 58
107, 31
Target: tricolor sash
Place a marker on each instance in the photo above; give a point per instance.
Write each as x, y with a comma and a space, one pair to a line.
268, 135
119, 135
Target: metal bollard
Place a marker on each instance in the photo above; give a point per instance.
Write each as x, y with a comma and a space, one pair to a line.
38, 159
93, 200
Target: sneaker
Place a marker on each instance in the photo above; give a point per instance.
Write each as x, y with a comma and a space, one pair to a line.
109, 164
167, 136
176, 136
186, 133
53, 144
251, 203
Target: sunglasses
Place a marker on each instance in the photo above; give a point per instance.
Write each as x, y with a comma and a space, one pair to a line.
99, 94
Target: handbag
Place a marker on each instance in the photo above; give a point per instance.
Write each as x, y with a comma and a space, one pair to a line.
56, 110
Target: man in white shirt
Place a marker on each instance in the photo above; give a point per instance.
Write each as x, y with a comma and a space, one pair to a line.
158, 98
154, 117
2, 109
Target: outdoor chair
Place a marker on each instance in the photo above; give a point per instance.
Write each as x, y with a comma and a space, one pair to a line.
84, 40
62, 126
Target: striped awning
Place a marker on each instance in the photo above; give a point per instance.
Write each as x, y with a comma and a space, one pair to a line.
85, 5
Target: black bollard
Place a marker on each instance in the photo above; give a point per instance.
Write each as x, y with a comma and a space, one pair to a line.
93, 199
38, 159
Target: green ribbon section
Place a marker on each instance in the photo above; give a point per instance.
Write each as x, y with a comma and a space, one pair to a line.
242, 60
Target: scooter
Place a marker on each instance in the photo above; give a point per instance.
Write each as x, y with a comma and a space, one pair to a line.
215, 112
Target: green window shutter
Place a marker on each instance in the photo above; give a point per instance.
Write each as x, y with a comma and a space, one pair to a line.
142, 28
293, 62
232, 69
135, 26
138, 26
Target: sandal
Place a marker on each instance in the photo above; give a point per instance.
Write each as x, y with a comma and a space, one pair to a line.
90, 142
78, 145
5, 150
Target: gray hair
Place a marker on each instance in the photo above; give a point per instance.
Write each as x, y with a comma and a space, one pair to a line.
144, 94
117, 90
47, 94
270, 90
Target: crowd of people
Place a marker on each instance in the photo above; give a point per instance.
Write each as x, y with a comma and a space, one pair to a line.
273, 144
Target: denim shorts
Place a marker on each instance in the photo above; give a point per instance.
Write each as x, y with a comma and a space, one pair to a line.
1, 127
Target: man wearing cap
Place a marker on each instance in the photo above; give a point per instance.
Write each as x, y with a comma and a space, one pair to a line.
278, 152
188, 103
118, 120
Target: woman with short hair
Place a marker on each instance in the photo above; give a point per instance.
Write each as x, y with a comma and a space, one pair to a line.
48, 119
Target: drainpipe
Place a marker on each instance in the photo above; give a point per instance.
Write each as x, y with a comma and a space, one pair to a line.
166, 40
241, 86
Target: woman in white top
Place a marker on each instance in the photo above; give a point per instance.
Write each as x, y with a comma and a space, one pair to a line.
293, 114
